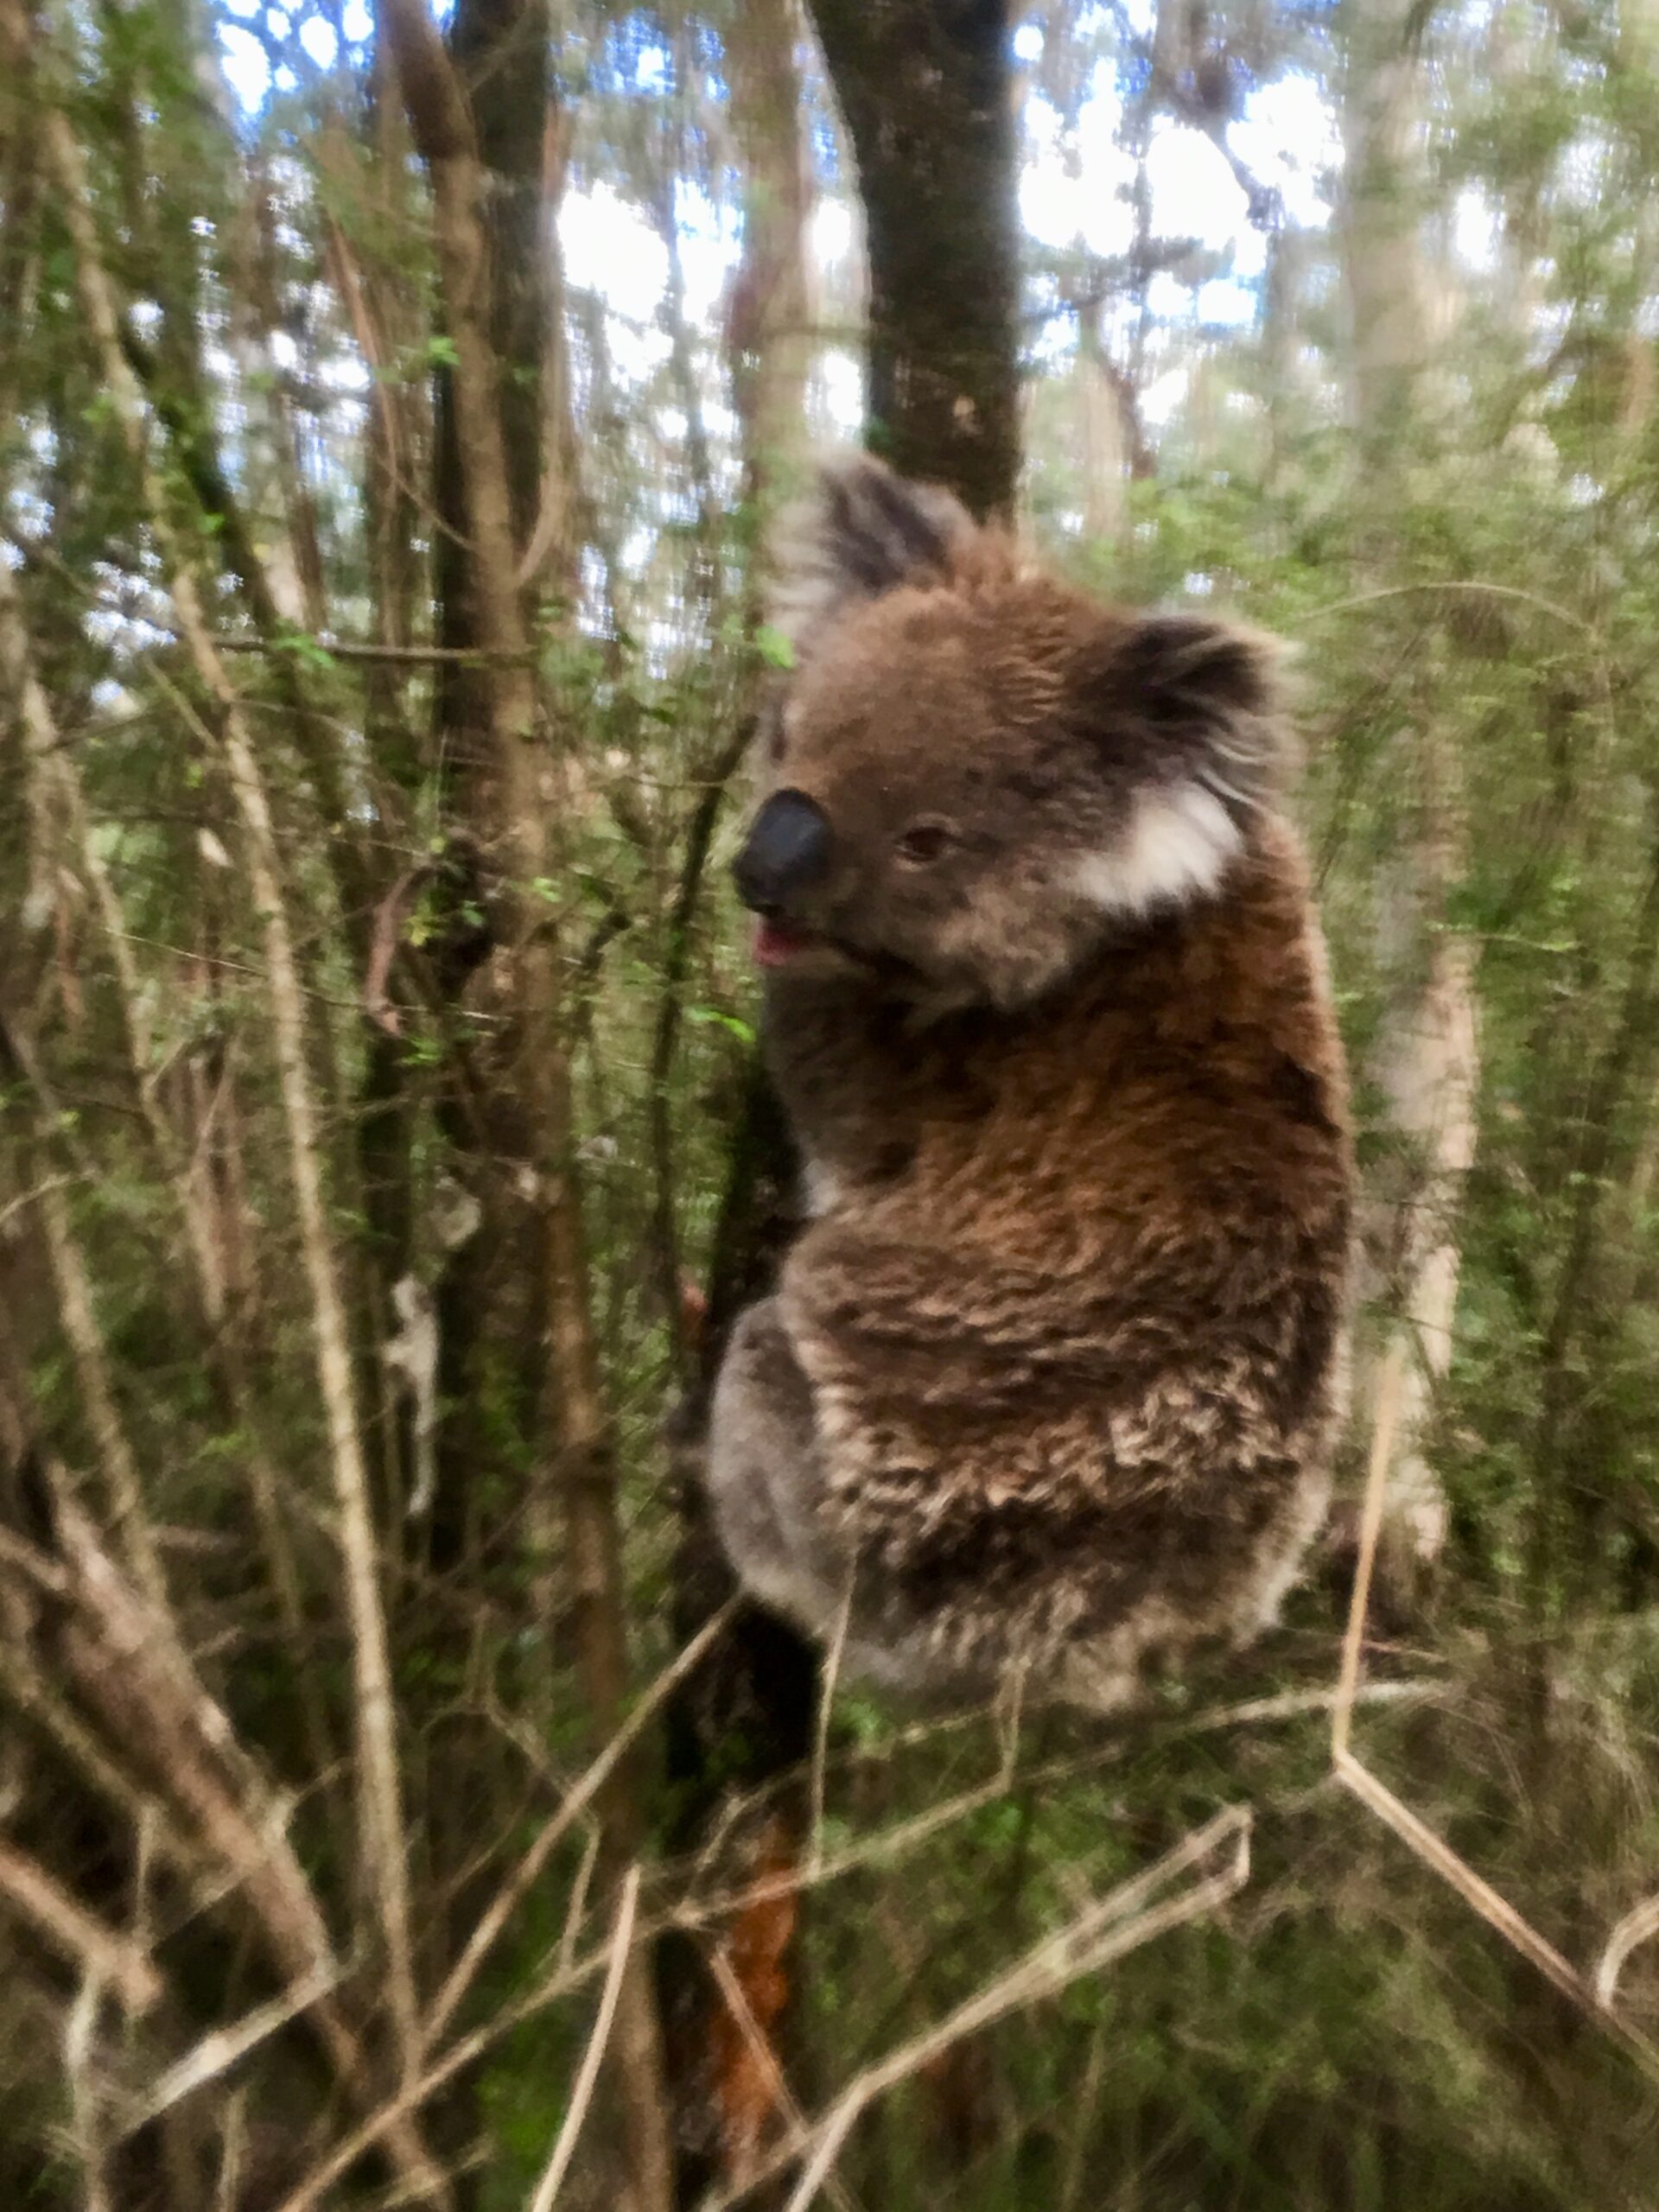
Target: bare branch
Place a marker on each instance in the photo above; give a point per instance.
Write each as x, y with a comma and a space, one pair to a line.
103, 1954
1106, 1931
581, 2091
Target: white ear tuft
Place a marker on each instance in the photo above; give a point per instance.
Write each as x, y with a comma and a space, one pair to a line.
861, 531
1178, 845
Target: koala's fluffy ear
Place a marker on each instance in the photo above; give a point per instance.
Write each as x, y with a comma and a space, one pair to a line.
1196, 697
1193, 711
861, 531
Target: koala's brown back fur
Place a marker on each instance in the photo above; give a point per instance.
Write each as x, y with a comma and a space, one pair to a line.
1069, 1318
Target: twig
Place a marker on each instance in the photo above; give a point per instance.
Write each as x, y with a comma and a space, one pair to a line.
1390, 1385
1104, 1931
223, 2048
666, 1030
581, 2091
104, 1956
398, 2110
80, 2035
731, 1989
1638, 1926
1479, 1895
357, 648
577, 1799
821, 1731
382, 1822
565, 1979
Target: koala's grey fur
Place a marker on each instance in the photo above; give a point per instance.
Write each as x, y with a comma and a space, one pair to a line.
1048, 1380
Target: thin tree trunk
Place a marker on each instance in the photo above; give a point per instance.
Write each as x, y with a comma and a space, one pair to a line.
756, 1688
1426, 1056
926, 89
512, 793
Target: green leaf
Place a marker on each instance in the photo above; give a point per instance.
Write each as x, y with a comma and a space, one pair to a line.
739, 1028
773, 647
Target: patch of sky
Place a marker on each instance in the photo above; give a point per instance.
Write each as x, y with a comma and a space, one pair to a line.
1161, 400
1288, 138
1223, 300
31, 516
654, 68
840, 392
1073, 194
834, 232
611, 248
1028, 43
318, 39
708, 248
1476, 230
246, 69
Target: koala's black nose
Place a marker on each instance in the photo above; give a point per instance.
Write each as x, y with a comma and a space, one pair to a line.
786, 851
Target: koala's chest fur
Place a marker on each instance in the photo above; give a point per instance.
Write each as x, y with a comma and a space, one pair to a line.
1186, 1089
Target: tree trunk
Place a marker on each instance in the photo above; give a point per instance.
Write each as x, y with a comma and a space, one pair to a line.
1427, 1058
484, 156
926, 92
926, 89
770, 341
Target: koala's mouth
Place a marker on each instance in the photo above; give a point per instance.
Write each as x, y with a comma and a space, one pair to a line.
777, 943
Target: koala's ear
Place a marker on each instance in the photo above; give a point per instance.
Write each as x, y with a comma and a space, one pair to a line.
861, 531
1205, 699
1191, 711
1187, 669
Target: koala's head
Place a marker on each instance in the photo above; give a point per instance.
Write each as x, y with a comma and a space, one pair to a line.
977, 778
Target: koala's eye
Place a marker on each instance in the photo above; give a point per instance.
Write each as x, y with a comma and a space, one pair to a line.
924, 843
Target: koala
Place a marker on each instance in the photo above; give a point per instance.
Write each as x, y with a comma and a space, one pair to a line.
1049, 1379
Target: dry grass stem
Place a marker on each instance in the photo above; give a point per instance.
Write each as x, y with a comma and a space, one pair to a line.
378, 1777
578, 1798
1106, 1931
1389, 1390
1479, 1895
742, 2012
831, 1676
547, 2190
224, 2048
1638, 1926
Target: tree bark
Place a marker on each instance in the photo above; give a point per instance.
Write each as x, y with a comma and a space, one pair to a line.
511, 793
1427, 1058
925, 88
927, 92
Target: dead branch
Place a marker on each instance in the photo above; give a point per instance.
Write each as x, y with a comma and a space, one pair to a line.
577, 1800
581, 2091
104, 1956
